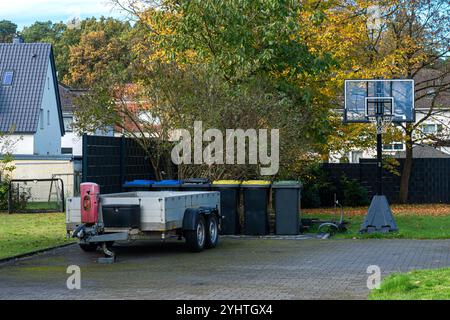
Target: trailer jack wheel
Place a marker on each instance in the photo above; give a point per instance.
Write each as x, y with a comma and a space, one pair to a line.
109, 257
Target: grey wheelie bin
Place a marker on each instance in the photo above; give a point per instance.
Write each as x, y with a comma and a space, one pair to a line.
286, 198
256, 200
196, 184
229, 205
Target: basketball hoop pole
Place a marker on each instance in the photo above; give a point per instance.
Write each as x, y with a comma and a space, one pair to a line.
379, 159
379, 113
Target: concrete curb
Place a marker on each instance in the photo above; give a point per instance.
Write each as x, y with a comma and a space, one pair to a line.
276, 237
32, 253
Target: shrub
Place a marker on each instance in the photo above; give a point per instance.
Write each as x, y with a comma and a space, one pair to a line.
6, 168
318, 190
4, 195
20, 198
354, 193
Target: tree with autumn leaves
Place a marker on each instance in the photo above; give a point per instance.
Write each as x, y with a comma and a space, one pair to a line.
240, 64
412, 41
87, 53
306, 49
263, 63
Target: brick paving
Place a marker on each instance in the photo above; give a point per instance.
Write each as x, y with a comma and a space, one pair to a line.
238, 269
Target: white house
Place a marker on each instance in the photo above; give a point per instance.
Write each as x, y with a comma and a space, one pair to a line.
72, 142
31, 115
30, 107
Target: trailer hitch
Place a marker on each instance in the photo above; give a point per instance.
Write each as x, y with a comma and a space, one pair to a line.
79, 232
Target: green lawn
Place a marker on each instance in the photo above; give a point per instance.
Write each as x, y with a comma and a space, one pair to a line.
415, 285
52, 205
22, 233
410, 227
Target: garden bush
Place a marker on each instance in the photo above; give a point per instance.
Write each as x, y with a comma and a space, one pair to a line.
318, 190
355, 194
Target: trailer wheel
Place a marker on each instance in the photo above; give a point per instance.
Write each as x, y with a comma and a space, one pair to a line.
212, 231
88, 247
195, 239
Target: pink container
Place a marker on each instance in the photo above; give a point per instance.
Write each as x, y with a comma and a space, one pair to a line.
90, 193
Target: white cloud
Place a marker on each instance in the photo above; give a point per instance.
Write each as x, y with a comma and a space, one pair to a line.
25, 12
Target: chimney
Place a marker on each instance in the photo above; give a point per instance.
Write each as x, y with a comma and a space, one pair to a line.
18, 39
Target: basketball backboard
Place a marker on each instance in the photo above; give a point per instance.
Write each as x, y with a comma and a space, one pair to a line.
364, 99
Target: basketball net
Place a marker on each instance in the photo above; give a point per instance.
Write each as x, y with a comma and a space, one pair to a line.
381, 122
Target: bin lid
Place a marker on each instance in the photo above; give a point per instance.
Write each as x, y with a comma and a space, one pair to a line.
168, 183
226, 183
256, 184
196, 185
139, 183
293, 184
196, 181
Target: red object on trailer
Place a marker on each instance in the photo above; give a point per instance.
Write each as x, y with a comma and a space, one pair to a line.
90, 193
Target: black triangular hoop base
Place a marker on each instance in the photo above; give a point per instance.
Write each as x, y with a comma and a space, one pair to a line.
379, 218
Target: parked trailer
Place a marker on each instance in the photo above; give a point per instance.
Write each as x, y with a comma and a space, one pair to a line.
100, 220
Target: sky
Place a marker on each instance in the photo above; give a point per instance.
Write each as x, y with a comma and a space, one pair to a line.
26, 12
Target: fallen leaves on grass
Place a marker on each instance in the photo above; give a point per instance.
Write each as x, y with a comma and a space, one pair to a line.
434, 210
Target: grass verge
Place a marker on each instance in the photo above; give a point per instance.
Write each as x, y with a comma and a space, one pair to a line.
415, 285
411, 221
23, 233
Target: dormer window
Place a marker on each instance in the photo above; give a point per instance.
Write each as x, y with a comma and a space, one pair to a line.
8, 78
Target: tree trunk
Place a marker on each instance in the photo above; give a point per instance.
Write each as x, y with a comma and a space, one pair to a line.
407, 166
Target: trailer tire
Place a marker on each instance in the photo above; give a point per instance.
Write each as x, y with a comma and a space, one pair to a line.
195, 239
212, 231
88, 247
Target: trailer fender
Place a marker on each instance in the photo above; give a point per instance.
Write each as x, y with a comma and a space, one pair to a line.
191, 214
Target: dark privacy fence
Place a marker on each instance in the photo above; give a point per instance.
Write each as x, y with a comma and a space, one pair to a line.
110, 161
429, 182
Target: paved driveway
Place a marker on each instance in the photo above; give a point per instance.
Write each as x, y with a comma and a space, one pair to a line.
238, 269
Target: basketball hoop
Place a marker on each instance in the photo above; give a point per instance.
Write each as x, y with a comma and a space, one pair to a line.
381, 123
380, 102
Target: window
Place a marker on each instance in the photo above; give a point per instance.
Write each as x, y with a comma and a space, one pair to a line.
8, 78
431, 92
432, 128
395, 146
356, 155
68, 123
66, 150
48, 117
41, 118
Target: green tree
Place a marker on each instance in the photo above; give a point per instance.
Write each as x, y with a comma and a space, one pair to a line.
7, 31
40, 32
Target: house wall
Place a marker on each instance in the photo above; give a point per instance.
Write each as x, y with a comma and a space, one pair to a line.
74, 141
48, 135
352, 156
45, 169
441, 118
22, 144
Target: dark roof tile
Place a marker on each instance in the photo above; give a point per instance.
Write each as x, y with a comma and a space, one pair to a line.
20, 103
